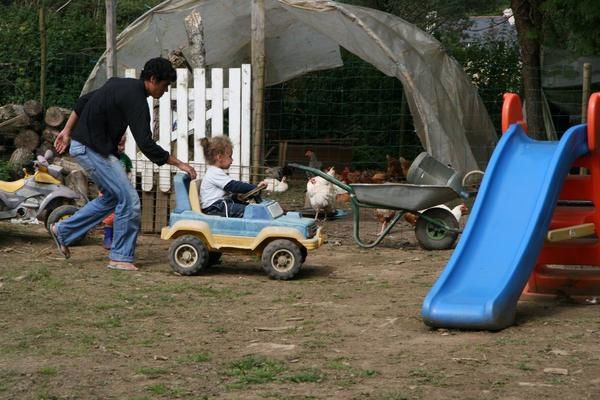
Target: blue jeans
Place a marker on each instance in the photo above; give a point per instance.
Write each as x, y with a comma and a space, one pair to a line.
226, 208
117, 195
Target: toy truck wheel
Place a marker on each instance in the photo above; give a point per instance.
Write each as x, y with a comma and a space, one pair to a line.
282, 259
61, 213
433, 236
188, 255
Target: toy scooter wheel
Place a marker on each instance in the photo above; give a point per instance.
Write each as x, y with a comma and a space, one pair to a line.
188, 255
61, 213
282, 259
435, 236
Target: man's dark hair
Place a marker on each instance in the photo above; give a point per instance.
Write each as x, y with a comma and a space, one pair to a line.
160, 68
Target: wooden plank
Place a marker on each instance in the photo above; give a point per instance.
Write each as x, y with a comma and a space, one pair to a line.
199, 116
164, 139
245, 126
571, 232
182, 114
234, 120
147, 165
217, 101
130, 145
148, 211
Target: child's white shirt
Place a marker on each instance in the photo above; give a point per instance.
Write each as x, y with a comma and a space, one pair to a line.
213, 183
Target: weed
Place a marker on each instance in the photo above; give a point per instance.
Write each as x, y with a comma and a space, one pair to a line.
48, 371
199, 357
306, 375
111, 321
253, 370
393, 396
151, 371
524, 367
158, 389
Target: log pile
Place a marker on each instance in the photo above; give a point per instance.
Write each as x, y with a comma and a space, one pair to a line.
26, 131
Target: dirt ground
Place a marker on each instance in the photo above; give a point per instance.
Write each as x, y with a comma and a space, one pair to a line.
348, 327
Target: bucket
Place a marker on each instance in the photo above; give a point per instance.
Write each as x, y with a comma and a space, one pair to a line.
426, 170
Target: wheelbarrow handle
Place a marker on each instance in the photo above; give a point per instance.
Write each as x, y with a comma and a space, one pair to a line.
325, 176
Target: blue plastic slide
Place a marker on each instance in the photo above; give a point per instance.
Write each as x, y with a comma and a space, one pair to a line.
482, 282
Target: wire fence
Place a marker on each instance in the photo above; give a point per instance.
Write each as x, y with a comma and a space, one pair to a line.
352, 116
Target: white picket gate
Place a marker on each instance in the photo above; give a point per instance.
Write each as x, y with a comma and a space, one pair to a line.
199, 104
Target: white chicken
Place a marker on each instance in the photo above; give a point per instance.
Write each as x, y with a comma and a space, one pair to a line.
321, 194
457, 212
275, 186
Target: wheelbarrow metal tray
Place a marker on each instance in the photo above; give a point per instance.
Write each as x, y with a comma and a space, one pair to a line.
402, 196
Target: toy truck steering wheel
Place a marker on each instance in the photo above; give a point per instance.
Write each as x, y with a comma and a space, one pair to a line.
253, 192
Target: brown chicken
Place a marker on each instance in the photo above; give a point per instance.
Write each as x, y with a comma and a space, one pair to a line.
384, 217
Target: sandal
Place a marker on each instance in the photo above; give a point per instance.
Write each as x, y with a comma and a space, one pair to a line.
122, 266
64, 250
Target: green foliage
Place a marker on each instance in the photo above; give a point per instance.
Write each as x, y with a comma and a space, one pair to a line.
254, 370
5, 171
572, 25
75, 41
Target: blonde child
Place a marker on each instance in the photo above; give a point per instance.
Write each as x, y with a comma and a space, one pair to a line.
217, 187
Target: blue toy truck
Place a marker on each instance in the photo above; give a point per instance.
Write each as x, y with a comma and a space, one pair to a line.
281, 239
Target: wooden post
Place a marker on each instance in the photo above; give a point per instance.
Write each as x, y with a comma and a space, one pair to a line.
43, 52
258, 83
585, 90
111, 39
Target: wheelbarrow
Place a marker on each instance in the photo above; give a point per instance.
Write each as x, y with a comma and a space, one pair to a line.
436, 228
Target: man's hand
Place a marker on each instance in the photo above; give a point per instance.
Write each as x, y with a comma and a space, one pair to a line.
188, 169
61, 143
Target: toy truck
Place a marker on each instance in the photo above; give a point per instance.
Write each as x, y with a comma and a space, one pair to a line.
281, 239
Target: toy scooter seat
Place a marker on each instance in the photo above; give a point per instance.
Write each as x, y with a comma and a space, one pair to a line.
11, 187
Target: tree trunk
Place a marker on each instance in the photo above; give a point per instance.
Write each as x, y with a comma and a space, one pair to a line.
19, 158
78, 181
56, 117
28, 139
50, 134
12, 119
528, 21
34, 109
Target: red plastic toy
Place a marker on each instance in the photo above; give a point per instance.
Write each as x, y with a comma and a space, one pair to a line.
570, 267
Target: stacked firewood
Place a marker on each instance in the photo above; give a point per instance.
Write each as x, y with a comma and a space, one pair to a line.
28, 131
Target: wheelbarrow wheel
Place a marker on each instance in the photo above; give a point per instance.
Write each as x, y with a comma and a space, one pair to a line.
188, 255
282, 259
436, 236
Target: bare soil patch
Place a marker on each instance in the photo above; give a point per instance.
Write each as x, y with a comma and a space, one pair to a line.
348, 327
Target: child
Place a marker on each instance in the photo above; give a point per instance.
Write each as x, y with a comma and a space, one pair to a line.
217, 186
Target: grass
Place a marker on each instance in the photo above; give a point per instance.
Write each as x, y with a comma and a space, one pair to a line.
48, 371
253, 370
306, 375
151, 372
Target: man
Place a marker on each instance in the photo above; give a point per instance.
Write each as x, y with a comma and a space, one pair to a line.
94, 130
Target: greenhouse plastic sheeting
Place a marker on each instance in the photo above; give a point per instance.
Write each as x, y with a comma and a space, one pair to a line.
302, 36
